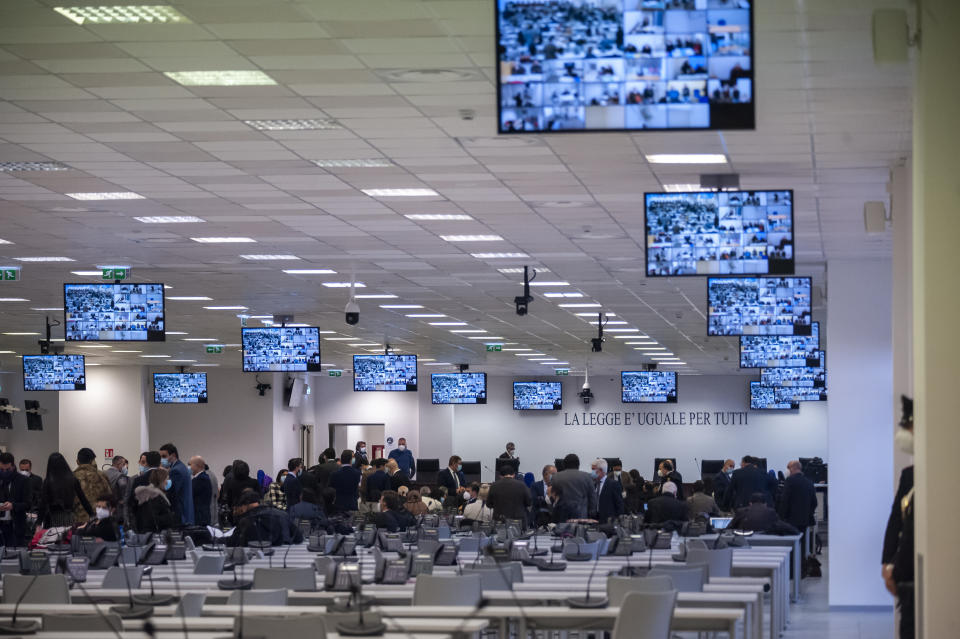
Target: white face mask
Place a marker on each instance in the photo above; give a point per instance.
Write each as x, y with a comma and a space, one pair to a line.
363, 450
662, 473
402, 447
904, 440
103, 513
25, 473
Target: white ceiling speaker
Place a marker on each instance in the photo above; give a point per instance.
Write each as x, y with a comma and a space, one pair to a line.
891, 35
875, 217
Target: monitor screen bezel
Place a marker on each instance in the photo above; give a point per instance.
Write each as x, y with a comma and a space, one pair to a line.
809, 326
23, 370
205, 380
534, 381
676, 389
243, 351
474, 403
405, 390
163, 292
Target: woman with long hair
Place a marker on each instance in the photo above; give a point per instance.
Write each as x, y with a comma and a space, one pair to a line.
58, 494
152, 511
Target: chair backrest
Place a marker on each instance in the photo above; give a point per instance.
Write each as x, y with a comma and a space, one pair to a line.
286, 578
48, 589
718, 562
645, 615
258, 598
119, 577
685, 579
447, 590
277, 627
492, 577
619, 587
190, 604
209, 565
107, 623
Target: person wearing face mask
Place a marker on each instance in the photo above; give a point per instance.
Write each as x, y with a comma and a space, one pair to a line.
104, 524
404, 458
510, 452
540, 492
93, 482
149, 461
360, 458
152, 510
202, 492
33, 484
181, 493
452, 477
119, 479
666, 473
798, 503
898, 539
276, 496
13, 502
292, 487
720, 483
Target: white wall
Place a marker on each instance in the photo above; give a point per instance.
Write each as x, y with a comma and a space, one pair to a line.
859, 343
35, 445
109, 414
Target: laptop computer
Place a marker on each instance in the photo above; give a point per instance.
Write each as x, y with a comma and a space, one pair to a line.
719, 523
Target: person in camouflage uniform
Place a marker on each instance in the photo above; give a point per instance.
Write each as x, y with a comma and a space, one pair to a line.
93, 482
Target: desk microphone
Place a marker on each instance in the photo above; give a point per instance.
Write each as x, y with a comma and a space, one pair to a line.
587, 602
132, 610
361, 627
28, 627
290, 545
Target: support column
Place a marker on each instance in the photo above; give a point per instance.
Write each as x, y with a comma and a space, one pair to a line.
936, 305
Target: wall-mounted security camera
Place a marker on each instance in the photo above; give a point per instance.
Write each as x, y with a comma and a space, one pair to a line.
352, 312
585, 393
522, 302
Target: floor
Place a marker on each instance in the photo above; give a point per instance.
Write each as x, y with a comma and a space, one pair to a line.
811, 617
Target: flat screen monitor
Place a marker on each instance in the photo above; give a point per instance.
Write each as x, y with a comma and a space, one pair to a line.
180, 388
648, 387
459, 388
770, 398
719, 523
612, 65
802, 394
114, 312
537, 396
54, 373
281, 349
805, 377
719, 233
758, 306
385, 372
773, 351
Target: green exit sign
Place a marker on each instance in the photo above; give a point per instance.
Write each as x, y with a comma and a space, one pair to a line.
215, 348
562, 371
494, 348
113, 273
335, 373
10, 273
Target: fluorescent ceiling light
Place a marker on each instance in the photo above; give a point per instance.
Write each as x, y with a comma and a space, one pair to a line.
580, 305
425, 359
553, 363
401, 306
223, 240
21, 333
681, 188
344, 284
327, 332
6, 167
92, 364
426, 315
687, 158
438, 217
47, 308
170, 219
448, 323
186, 361
7, 352
126, 351
206, 365
517, 349
486, 337
623, 330
372, 163
176, 333
149, 356
519, 269
610, 323
649, 348
673, 363
220, 78
367, 344
123, 14
400, 192
225, 308
13, 299
269, 257
5, 242
376, 296
471, 238
529, 354
438, 363
190, 298
498, 256
558, 294
260, 316
591, 314
535, 283
468, 330
297, 325
339, 339
199, 339
118, 195
542, 359
309, 271
94, 346
293, 125
640, 343
44, 259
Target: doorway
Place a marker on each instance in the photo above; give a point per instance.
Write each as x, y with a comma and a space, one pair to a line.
345, 436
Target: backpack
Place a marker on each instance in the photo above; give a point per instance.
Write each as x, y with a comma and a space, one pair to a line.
811, 567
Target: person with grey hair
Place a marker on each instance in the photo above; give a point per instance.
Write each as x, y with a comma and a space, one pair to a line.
510, 452
798, 502
609, 492
666, 507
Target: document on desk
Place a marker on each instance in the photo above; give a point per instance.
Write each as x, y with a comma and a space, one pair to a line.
216, 533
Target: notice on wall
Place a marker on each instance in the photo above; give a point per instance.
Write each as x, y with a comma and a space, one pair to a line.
657, 418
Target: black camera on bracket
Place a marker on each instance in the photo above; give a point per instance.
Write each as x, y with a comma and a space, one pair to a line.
596, 344
522, 302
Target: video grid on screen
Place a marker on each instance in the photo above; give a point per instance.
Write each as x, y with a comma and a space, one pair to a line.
624, 64
385, 372
54, 373
648, 387
770, 398
459, 388
281, 349
758, 306
537, 395
719, 233
180, 388
114, 312
805, 377
773, 351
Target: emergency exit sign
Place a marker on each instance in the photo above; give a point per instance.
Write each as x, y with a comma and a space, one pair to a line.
335, 373
215, 348
494, 348
562, 371
113, 273
10, 273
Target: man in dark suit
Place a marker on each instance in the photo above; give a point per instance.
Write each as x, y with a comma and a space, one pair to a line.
292, 487
539, 490
13, 502
609, 492
377, 482
744, 482
720, 483
666, 473
346, 483
322, 471
757, 516
509, 497
798, 502
666, 507
34, 484
452, 477
578, 494
398, 478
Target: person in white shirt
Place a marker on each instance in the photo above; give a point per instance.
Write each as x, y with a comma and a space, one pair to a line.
478, 510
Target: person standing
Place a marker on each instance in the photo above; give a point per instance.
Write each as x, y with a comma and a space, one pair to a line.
452, 477
33, 484
509, 497
60, 491
398, 478
203, 494
577, 492
404, 458
798, 503
181, 492
720, 483
700, 503
346, 483
744, 482
13, 502
93, 483
292, 488
609, 492
898, 540
360, 455
377, 482
510, 451
153, 511
119, 478
214, 495
666, 472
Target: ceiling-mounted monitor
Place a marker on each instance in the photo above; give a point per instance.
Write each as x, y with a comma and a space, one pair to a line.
458, 388
719, 233
281, 349
180, 388
114, 312
645, 387
758, 306
803, 377
537, 396
54, 373
385, 372
614, 65
774, 351
770, 398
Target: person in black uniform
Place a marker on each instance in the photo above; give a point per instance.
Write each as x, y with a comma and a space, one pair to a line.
798, 503
898, 544
744, 482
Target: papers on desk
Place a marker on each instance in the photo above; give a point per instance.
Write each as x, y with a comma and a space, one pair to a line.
216, 533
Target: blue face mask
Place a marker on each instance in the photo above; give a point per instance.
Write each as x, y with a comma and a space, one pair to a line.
595, 473
165, 462
143, 469
168, 484
459, 467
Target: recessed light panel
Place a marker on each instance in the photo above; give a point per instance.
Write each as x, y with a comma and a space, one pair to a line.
400, 192
123, 14
170, 219
220, 78
110, 195
223, 240
372, 163
32, 166
438, 217
292, 125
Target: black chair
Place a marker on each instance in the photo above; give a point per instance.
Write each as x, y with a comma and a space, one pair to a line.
559, 464
513, 463
427, 470
710, 467
471, 471
613, 462
761, 463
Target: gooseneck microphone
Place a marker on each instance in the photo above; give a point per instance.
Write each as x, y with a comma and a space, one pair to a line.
361, 627
587, 601
14, 627
132, 610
